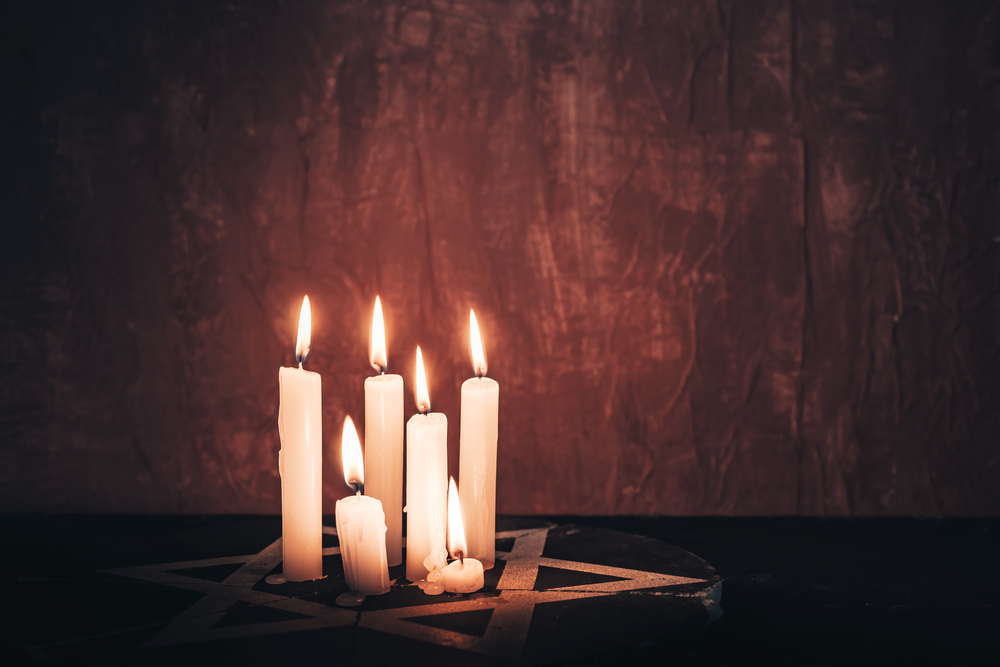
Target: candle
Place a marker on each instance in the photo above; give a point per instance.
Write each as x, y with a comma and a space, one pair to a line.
300, 463
477, 464
360, 527
384, 439
462, 575
426, 484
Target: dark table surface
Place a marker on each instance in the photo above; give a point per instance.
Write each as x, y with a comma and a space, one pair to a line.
796, 590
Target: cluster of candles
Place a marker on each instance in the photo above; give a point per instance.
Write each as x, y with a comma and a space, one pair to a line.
370, 523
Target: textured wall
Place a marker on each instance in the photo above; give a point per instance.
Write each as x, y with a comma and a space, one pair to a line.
729, 257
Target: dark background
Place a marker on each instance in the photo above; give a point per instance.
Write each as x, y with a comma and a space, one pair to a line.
735, 258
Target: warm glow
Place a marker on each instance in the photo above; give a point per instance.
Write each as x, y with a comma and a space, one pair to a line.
456, 529
305, 332
351, 457
478, 356
423, 396
379, 358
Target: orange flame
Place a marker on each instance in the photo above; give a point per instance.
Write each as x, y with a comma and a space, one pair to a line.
456, 529
379, 358
478, 356
351, 457
305, 332
422, 395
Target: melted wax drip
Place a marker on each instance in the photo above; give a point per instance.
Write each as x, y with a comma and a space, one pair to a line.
431, 587
350, 599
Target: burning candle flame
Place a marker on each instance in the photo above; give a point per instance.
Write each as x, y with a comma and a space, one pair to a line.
379, 358
478, 356
422, 395
351, 457
456, 529
305, 332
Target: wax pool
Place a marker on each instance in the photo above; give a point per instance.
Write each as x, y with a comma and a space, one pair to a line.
460, 576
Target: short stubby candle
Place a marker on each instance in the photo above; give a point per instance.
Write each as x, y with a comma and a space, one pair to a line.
384, 439
300, 462
462, 575
426, 484
477, 465
360, 524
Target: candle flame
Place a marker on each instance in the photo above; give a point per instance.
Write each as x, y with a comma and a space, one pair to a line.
456, 528
478, 356
379, 358
305, 332
351, 457
422, 395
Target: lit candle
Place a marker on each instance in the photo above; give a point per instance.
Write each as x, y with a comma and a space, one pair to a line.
462, 575
384, 439
477, 463
360, 528
300, 463
426, 485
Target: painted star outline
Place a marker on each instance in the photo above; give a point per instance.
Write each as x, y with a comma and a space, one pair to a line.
504, 637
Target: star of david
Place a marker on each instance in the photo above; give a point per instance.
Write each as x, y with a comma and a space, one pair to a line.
504, 636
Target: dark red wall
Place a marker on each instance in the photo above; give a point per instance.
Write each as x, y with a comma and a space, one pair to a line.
729, 257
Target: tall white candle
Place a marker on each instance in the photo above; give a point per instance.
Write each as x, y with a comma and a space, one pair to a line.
360, 524
300, 463
477, 463
384, 439
426, 484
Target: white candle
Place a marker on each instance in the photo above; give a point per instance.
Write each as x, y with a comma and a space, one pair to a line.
426, 484
360, 524
384, 440
462, 575
300, 463
477, 465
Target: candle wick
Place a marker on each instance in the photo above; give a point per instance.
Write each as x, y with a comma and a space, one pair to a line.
461, 558
300, 366
358, 493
